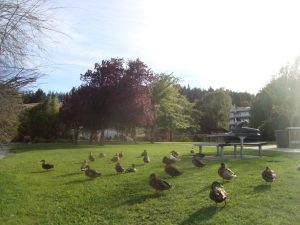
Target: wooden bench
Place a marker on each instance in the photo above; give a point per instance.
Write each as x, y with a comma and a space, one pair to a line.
220, 147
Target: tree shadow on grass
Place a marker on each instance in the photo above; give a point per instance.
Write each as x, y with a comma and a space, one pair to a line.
141, 199
201, 215
262, 187
42, 171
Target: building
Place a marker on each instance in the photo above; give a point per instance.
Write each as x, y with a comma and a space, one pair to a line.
238, 114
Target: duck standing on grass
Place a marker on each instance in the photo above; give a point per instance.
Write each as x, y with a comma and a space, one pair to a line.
83, 165
146, 158
131, 169
46, 165
90, 172
225, 172
157, 183
91, 157
121, 154
217, 193
173, 171
115, 158
166, 160
268, 175
197, 162
144, 153
102, 155
119, 168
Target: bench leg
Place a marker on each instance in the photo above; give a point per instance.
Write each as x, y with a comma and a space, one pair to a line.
260, 151
235, 151
218, 150
200, 149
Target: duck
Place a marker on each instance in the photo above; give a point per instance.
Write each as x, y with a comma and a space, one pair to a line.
146, 158
175, 153
144, 152
166, 160
102, 155
173, 171
197, 162
115, 158
131, 169
158, 184
120, 154
298, 168
91, 172
83, 165
119, 168
91, 157
225, 172
217, 193
46, 165
268, 175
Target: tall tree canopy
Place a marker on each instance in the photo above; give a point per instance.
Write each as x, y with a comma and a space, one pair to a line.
172, 110
277, 105
215, 109
115, 94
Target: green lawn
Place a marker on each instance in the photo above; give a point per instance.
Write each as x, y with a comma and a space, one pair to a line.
29, 195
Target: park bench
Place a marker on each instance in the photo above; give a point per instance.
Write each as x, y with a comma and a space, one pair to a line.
220, 147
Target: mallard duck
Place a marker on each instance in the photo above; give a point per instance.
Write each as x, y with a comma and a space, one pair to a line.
225, 172
83, 165
146, 158
157, 183
91, 172
120, 154
217, 193
197, 162
115, 158
91, 157
144, 153
173, 171
175, 153
268, 175
119, 168
166, 160
46, 165
298, 168
131, 169
102, 155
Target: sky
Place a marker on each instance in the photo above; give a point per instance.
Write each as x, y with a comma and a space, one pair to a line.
232, 44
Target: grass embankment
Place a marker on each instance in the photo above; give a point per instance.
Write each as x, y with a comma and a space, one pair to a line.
30, 195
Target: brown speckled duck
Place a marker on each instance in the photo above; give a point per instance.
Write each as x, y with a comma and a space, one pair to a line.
157, 183
268, 175
102, 155
115, 158
173, 171
175, 153
197, 162
217, 193
121, 154
119, 168
144, 153
146, 158
46, 165
225, 172
131, 169
91, 172
166, 160
83, 165
91, 157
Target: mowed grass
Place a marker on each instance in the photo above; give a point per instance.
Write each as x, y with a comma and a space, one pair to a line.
30, 195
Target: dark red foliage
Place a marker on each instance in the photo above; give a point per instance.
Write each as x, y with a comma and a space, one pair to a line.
113, 94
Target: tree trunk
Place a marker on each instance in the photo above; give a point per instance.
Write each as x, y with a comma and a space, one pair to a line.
75, 135
102, 137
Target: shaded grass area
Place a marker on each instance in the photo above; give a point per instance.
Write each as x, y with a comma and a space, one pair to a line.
65, 195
